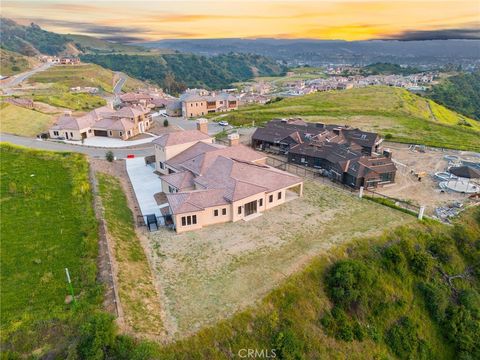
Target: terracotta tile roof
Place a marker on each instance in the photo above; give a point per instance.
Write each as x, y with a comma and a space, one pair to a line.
180, 137
68, 122
195, 200
180, 180
130, 112
198, 164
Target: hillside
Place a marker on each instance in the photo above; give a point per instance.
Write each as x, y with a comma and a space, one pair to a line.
12, 63
20, 121
393, 112
31, 40
175, 72
87, 44
460, 93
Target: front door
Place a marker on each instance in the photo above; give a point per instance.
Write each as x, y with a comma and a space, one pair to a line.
251, 208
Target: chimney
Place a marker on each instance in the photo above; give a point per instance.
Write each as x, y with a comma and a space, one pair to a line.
202, 125
233, 139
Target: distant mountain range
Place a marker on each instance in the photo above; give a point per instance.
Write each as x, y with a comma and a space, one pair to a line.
320, 52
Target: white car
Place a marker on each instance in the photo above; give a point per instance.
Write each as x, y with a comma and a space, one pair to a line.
164, 115
223, 123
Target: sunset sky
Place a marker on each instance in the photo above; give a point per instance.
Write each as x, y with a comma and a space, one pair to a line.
333, 19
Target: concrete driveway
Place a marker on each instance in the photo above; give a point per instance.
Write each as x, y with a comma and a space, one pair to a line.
145, 185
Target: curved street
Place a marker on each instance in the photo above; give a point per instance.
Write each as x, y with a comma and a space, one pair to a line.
90, 151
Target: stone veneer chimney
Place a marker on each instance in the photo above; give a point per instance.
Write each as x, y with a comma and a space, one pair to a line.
233, 139
202, 125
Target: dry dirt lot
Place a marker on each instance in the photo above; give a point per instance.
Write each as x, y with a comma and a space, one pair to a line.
209, 274
425, 192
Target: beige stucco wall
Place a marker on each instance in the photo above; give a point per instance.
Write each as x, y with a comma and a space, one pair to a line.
206, 217
72, 134
163, 154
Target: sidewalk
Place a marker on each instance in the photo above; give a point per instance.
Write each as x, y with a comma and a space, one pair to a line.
106, 142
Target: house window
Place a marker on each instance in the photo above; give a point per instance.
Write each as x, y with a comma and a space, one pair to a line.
270, 198
279, 196
194, 219
129, 133
224, 211
260, 202
215, 212
55, 133
189, 220
161, 165
121, 133
110, 133
239, 210
71, 134
184, 221
90, 131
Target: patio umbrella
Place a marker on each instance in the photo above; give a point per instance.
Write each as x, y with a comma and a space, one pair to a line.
467, 172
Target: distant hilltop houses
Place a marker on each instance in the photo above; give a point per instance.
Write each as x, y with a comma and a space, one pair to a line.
60, 60
200, 102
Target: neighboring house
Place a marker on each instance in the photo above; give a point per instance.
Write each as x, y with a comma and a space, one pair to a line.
197, 103
104, 121
280, 135
206, 183
347, 155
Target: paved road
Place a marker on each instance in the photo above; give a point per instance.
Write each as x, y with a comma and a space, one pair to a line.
185, 124
117, 89
19, 78
58, 146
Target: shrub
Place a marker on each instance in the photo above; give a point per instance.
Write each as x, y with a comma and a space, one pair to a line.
436, 300
348, 283
463, 330
394, 259
165, 123
388, 136
97, 335
109, 156
402, 338
421, 263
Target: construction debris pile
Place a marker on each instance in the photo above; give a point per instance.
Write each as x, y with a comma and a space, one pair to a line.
445, 213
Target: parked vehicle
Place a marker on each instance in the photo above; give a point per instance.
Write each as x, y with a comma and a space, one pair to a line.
223, 123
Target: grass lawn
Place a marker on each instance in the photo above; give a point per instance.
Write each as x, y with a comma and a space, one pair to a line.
20, 121
77, 75
138, 295
65, 99
210, 274
404, 116
48, 224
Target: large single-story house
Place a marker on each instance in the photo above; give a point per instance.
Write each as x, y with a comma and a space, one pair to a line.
123, 124
207, 183
279, 135
350, 156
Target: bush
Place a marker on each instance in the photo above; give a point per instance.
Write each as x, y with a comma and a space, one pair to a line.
97, 335
402, 338
165, 123
109, 156
394, 259
421, 263
348, 283
463, 330
436, 300
388, 136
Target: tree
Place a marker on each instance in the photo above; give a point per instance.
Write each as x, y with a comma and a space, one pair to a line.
97, 335
109, 156
165, 123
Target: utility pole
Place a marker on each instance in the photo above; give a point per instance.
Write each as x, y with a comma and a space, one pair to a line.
70, 285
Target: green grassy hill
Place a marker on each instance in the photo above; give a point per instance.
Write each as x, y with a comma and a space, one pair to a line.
48, 224
91, 44
20, 121
12, 63
393, 112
